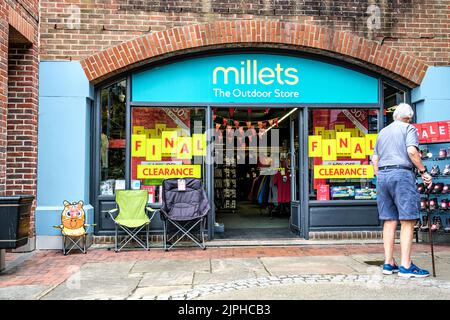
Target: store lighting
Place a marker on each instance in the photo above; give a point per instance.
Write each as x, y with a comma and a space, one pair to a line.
284, 117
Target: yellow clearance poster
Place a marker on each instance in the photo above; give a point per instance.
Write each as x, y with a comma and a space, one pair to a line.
329, 149
184, 148
319, 131
199, 144
358, 148
159, 128
343, 140
339, 127
138, 130
343, 171
148, 171
138, 148
153, 150
370, 143
314, 146
152, 134
329, 134
169, 142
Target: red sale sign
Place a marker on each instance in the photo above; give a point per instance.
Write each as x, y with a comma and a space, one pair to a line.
432, 132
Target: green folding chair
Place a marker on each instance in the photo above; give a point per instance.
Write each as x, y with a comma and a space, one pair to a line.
131, 216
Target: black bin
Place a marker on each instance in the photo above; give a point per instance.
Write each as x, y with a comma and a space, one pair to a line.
15, 221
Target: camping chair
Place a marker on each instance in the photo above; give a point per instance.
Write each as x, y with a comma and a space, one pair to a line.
73, 227
131, 217
184, 209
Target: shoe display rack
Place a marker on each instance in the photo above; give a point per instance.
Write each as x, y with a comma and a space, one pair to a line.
436, 159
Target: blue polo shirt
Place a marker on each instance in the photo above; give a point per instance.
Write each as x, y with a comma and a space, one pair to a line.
392, 143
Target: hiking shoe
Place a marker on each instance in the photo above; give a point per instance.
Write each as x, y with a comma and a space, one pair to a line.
435, 171
390, 269
446, 171
412, 272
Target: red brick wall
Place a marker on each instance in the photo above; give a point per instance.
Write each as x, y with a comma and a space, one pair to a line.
18, 98
22, 120
417, 27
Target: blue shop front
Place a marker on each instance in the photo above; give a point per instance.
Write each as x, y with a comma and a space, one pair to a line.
281, 140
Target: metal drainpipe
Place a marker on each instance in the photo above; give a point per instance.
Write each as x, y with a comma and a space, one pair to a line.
2, 259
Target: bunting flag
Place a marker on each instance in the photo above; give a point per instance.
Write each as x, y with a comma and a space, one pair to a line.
276, 122
271, 122
249, 111
225, 121
267, 110
231, 110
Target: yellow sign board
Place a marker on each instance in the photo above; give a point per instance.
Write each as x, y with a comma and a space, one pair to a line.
153, 150
148, 171
138, 147
329, 149
315, 146
343, 171
358, 148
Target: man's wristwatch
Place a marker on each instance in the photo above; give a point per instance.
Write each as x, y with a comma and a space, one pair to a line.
422, 172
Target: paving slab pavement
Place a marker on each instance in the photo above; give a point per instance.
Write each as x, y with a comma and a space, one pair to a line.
311, 265
239, 273
29, 292
331, 291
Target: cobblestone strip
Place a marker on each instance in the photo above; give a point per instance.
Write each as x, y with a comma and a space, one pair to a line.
372, 281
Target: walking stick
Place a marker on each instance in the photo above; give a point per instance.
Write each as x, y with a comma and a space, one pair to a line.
430, 233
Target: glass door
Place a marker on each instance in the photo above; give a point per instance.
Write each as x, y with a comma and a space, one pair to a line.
295, 137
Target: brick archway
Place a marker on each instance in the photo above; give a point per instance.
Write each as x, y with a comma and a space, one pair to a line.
256, 33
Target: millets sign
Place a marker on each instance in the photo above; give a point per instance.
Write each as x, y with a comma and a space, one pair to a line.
253, 78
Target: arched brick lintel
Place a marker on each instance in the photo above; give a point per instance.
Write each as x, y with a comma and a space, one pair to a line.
256, 33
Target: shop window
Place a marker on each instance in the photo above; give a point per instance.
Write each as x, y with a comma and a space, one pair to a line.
112, 137
340, 144
166, 143
392, 97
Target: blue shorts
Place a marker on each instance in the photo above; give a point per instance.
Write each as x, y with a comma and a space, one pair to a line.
397, 195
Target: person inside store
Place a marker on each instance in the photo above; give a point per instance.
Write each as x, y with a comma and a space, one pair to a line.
395, 157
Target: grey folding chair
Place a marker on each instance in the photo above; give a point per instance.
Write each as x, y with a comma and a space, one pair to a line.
185, 210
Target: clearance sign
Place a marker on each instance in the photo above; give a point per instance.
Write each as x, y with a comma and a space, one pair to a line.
343, 171
168, 171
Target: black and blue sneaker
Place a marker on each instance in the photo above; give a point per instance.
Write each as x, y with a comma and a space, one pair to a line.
390, 269
413, 272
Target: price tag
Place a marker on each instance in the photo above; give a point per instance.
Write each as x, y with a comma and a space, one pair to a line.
181, 185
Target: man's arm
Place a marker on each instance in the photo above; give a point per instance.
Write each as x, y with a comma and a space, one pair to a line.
375, 164
414, 155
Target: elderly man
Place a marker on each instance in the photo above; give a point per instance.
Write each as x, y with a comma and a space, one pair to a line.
396, 154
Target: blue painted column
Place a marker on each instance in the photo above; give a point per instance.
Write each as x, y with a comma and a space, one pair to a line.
65, 100
432, 97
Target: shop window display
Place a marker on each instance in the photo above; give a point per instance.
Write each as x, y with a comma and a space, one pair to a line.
112, 138
166, 143
434, 140
340, 144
